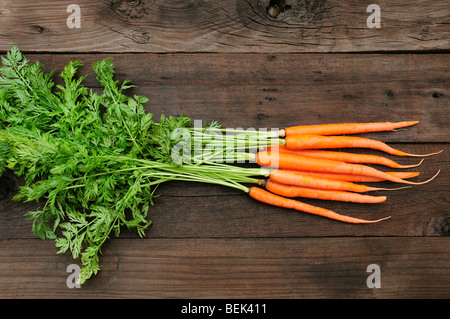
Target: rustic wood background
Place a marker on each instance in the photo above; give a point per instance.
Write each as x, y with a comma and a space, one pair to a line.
316, 61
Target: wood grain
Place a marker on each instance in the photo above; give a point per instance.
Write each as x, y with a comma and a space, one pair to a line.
224, 26
279, 90
234, 268
311, 62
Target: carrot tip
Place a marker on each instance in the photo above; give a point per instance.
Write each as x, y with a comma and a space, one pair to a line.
381, 219
411, 166
429, 180
364, 221
424, 182
422, 155
405, 124
393, 189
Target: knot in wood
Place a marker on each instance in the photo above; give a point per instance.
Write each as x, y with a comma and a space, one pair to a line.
131, 9
133, 2
295, 12
437, 95
443, 226
276, 7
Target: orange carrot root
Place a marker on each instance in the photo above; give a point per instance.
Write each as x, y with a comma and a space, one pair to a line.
308, 141
297, 162
301, 168
272, 199
290, 177
298, 191
346, 128
345, 157
358, 178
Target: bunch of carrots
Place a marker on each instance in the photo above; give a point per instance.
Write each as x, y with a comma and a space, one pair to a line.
96, 160
303, 166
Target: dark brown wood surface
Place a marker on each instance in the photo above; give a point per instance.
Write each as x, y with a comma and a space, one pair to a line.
225, 26
230, 61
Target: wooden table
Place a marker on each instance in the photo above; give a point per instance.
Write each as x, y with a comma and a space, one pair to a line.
308, 62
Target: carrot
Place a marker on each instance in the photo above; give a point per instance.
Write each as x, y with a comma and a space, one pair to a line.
290, 177
347, 157
307, 141
272, 199
297, 162
298, 191
346, 128
357, 178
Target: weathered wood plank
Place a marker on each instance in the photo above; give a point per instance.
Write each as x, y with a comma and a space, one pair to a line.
235, 268
186, 210
224, 26
275, 91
